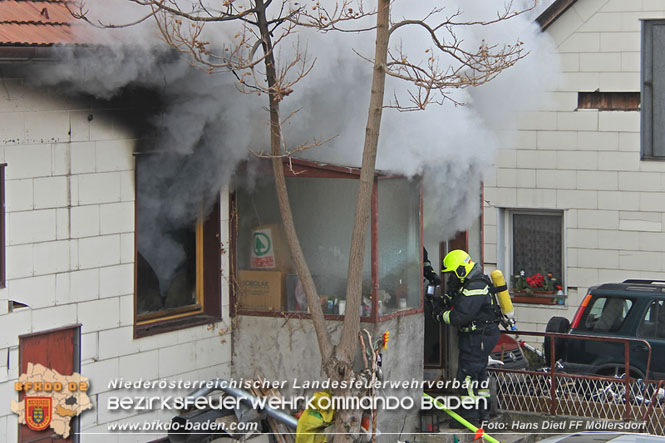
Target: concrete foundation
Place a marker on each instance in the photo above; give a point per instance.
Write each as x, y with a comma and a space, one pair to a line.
287, 350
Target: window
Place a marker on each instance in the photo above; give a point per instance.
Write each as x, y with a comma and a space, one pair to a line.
534, 245
177, 267
653, 89
605, 314
537, 244
323, 203
609, 101
653, 323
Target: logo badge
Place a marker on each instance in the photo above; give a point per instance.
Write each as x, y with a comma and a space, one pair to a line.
38, 412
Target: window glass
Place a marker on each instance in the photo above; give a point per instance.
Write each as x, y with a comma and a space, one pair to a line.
166, 263
653, 88
323, 212
605, 314
537, 247
400, 271
653, 323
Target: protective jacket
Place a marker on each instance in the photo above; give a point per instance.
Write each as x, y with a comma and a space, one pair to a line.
472, 306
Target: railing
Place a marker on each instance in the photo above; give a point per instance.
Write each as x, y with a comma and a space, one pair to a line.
557, 392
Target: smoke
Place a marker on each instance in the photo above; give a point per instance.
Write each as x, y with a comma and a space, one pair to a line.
207, 126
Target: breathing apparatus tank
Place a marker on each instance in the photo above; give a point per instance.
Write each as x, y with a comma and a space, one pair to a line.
506, 305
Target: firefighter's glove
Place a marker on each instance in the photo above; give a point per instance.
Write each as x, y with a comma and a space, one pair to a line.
443, 316
430, 275
447, 300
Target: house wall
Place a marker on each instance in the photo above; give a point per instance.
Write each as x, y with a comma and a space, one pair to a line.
290, 351
70, 254
586, 162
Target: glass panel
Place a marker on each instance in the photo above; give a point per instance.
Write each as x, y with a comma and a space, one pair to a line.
658, 90
653, 324
400, 270
323, 210
537, 246
166, 247
606, 314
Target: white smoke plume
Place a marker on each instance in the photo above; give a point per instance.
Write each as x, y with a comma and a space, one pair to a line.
209, 125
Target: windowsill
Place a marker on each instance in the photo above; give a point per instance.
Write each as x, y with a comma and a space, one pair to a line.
174, 324
538, 299
333, 317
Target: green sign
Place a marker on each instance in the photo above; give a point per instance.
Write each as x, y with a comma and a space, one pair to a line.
262, 244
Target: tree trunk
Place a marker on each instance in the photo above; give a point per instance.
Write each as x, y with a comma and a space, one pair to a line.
336, 366
347, 421
297, 255
348, 344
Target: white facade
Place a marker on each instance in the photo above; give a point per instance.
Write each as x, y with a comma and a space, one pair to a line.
585, 163
70, 255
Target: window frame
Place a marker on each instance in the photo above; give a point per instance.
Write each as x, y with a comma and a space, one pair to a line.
505, 253
308, 169
646, 89
208, 280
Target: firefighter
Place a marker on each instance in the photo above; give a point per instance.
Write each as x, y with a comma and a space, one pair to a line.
472, 309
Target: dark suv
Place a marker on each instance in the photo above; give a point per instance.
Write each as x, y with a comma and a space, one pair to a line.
635, 309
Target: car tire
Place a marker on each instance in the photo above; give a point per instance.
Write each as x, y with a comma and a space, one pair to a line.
560, 325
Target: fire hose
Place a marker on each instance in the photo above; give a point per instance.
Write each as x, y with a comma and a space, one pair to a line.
478, 431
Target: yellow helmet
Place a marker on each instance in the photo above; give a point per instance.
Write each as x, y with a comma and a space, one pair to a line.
459, 262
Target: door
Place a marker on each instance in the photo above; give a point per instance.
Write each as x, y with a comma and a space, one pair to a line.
436, 334
652, 329
57, 349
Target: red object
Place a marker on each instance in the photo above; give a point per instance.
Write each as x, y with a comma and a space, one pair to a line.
508, 342
535, 281
38, 412
580, 311
479, 434
365, 423
56, 349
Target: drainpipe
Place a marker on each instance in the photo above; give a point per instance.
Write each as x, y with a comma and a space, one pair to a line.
247, 398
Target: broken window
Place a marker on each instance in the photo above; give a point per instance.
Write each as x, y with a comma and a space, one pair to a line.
323, 203
177, 249
653, 89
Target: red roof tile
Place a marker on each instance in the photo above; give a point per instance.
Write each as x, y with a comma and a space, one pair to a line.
35, 23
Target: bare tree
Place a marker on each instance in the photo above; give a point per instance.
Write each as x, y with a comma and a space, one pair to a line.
251, 57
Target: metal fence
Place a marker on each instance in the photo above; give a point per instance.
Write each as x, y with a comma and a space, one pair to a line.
558, 393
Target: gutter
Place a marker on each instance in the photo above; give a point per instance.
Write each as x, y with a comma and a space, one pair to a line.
14, 54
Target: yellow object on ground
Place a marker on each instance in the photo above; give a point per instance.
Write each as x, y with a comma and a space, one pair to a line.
313, 422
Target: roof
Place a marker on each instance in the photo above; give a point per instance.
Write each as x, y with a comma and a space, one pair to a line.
35, 23
553, 12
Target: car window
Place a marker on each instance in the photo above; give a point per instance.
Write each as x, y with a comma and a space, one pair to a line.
605, 314
653, 323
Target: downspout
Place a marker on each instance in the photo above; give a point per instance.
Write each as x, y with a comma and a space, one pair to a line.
247, 398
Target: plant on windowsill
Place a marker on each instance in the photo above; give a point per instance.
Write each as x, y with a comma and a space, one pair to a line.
524, 288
